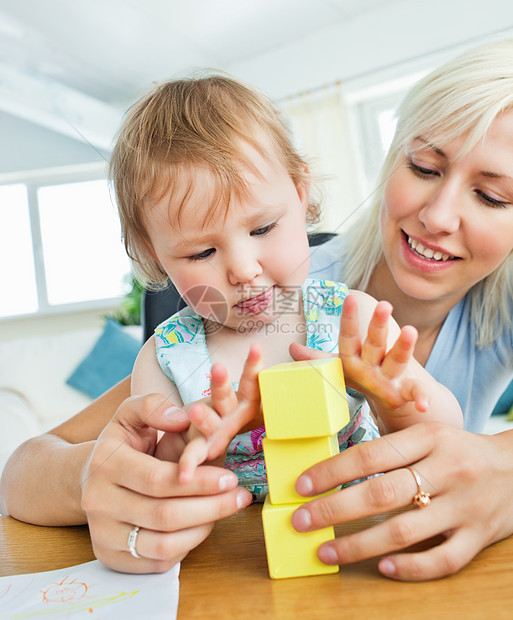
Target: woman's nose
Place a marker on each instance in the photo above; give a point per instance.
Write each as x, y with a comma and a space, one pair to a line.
440, 212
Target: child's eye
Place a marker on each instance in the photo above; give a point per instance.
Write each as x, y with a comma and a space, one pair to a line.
491, 202
263, 230
421, 171
202, 255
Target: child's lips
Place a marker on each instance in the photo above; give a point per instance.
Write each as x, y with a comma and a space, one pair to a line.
256, 304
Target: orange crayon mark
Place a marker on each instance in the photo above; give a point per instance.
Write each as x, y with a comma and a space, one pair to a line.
65, 591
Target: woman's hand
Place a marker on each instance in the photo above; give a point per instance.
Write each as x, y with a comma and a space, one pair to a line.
468, 477
124, 485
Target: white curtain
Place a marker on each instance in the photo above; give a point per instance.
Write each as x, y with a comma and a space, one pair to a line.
320, 125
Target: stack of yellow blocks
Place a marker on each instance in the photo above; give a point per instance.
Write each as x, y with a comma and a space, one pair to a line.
304, 406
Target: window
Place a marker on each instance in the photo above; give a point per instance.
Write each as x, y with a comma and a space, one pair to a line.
60, 246
377, 121
18, 278
374, 109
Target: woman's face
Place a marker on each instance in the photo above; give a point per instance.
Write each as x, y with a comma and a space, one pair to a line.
447, 223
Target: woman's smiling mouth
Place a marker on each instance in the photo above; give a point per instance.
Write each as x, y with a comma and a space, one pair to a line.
427, 253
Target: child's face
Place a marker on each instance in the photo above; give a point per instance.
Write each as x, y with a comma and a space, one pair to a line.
245, 267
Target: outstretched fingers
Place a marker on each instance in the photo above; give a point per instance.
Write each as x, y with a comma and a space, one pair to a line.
247, 404
222, 397
401, 352
349, 343
249, 390
375, 344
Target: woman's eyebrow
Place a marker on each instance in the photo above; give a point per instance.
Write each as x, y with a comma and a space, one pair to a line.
495, 175
483, 173
430, 145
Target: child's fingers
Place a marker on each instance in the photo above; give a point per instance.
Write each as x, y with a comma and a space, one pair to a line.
248, 386
299, 352
194, 454
413, 390
231, 425
375, 344
349, 341
204, 418
222, 397
248, 405
401, 353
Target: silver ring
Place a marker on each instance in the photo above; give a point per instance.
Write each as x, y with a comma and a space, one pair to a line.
132, 538
421, 499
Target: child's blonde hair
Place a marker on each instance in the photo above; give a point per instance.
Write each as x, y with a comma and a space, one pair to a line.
184, 124
464, 96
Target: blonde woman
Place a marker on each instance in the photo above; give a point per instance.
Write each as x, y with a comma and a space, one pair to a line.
438, 244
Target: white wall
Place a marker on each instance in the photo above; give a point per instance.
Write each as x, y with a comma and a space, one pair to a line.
27, 146
380, 41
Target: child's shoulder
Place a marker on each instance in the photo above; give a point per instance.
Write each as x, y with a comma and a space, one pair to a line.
184, 326
325, 294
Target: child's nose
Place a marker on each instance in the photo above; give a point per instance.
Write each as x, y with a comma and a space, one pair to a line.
244, 267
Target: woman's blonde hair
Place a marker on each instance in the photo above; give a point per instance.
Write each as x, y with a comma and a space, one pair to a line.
463, 96
181, 125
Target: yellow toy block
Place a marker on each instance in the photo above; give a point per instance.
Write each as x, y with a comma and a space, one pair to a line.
304, 399
291, 553
286, 459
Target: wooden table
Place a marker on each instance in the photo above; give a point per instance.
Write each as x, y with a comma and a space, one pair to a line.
227, 577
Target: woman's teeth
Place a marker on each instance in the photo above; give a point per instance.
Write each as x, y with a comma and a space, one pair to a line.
426, 252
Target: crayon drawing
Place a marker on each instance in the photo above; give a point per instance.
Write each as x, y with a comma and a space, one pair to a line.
89, 591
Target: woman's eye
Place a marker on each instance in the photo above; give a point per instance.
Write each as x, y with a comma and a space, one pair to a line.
202, 255
263, 230
421, 171
491, 202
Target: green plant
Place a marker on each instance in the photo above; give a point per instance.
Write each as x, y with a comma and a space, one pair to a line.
129, 311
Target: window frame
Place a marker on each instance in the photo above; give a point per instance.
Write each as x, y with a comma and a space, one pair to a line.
33, 180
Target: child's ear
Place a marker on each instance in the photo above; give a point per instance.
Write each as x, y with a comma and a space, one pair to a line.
303, 188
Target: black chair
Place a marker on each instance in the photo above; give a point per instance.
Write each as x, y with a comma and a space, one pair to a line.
157, 306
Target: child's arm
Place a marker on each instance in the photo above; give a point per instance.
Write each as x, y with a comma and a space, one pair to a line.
215, 423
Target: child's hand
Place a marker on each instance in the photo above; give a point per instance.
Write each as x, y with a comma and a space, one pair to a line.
215, 424
370, 368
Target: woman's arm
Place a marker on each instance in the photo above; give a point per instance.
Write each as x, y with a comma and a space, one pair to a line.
41, 482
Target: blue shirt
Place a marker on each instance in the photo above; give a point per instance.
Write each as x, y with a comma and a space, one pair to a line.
477, 377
